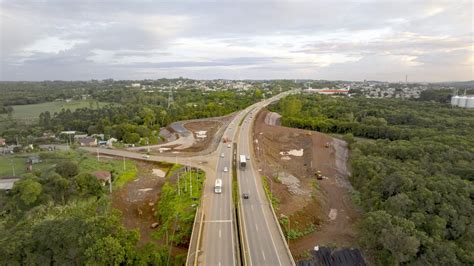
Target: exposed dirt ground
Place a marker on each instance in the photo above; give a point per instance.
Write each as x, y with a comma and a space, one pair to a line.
211, 126
136, 200
175, 143
285, 153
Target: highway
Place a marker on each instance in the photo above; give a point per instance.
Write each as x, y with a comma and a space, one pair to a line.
219, 244
265, 245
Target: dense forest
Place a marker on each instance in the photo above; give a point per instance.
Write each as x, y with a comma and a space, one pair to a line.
413, 167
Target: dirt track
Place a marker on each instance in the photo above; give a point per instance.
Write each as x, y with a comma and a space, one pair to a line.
274, 146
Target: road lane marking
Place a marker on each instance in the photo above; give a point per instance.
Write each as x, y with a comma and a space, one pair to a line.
256, 227
252, 172
263, 253
220, 233
251, 206
218, 221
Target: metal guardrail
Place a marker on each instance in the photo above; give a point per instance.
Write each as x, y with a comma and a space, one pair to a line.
196, 253
190, 253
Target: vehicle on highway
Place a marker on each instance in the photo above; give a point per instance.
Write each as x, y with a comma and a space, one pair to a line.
245, 195
228, 145
222, 155
226, 169
146, 156
218, 186
242, 161
248, 158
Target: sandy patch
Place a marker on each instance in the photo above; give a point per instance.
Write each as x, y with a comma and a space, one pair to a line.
332, 214
298, 153
159, 172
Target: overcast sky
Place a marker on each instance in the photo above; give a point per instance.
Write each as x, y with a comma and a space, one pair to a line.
350, 40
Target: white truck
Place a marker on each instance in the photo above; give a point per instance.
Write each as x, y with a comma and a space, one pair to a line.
218, 186
242, 161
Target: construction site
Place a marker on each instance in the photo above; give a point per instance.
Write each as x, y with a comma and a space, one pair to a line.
306, 172
200, 136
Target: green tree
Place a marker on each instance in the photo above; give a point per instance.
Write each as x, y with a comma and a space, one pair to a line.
67, 169
27, 190
131, 138
58, 187
88, 185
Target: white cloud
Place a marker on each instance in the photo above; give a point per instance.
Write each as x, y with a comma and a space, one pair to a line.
243, 39
52, 45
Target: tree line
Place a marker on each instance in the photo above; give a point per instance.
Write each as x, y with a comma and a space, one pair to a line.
135, 116
413, 168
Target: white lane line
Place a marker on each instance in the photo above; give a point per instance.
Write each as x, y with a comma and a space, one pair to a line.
219, 263
256, 227
263, 254
220, 233
251, 206
218, 221
250, 168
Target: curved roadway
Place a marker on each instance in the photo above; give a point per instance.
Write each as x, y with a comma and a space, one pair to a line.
265, 245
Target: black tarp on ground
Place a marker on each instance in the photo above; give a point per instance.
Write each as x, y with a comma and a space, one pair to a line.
338, 257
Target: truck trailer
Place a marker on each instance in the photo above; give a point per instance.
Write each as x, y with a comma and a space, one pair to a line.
218, 186
243, 161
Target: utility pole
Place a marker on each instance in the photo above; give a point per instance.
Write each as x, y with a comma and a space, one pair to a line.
124, 167
97, 154
179, 190
190, 184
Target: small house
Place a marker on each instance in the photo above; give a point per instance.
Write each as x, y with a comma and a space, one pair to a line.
111, 141
8, 182
103, 176
87, 141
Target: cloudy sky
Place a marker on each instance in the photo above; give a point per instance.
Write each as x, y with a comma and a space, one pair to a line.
350, 40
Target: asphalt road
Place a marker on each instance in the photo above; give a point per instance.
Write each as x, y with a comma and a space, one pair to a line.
219, 243
264, 242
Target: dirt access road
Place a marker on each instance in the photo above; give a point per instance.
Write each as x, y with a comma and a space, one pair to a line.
291, 157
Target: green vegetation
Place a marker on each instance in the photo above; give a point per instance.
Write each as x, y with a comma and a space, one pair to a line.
414, 179
133, 116
177, 205
291, 230
30, 112
274, 200
84, 232
62, 215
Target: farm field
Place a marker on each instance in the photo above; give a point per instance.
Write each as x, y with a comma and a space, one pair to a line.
30, 112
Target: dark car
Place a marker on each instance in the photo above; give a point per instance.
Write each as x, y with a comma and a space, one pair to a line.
245, 195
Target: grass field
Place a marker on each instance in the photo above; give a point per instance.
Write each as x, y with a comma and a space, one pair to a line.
30, 112
17, 164
87, 164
